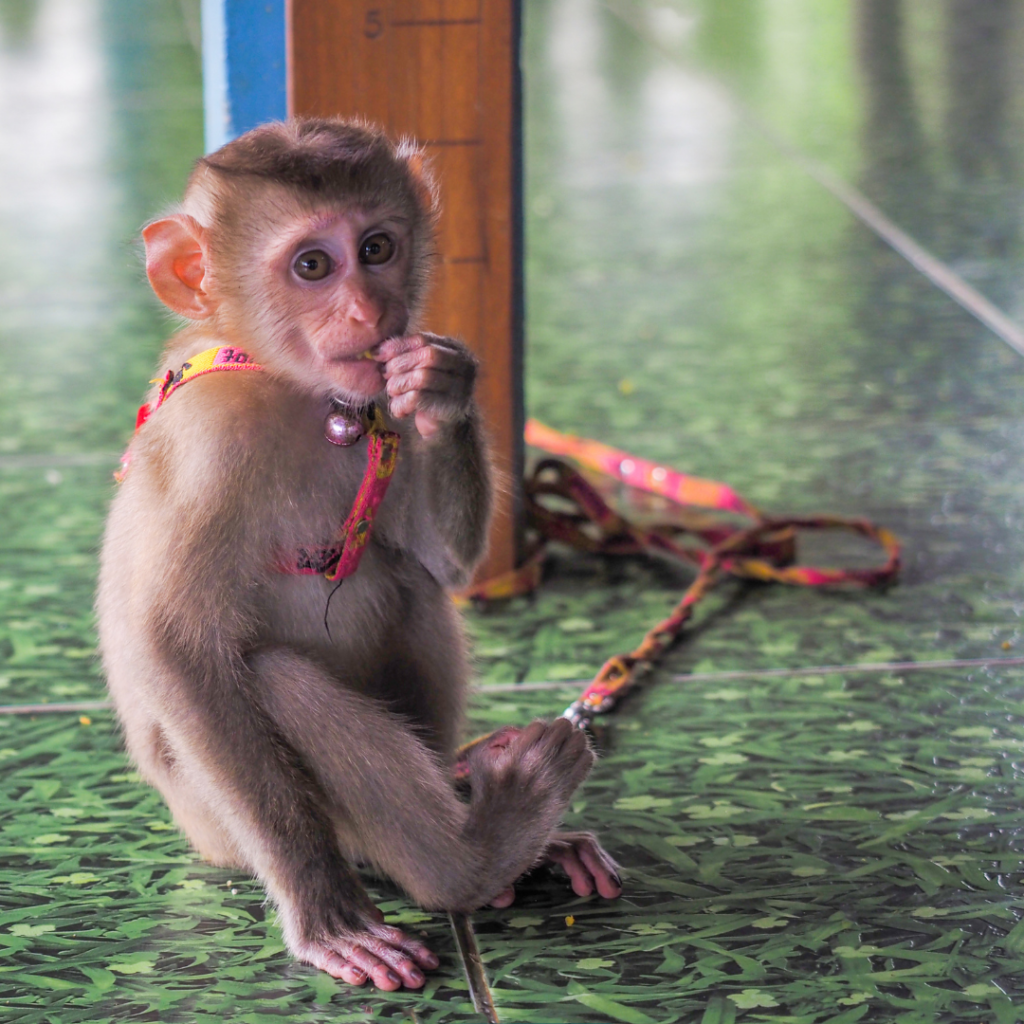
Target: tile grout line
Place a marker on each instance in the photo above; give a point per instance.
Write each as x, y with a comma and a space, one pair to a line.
868, 667
39, 709
771, 673
827, 670
473, 965
940, 274
70, 460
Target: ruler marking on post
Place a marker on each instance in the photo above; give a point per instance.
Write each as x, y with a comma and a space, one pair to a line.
432, 22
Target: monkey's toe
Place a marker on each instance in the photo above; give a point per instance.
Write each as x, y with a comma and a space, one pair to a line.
384, 955
505, 898
587, 864
326, 959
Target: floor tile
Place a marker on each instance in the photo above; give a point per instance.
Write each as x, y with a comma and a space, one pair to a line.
107, 915
801, 846
823, 847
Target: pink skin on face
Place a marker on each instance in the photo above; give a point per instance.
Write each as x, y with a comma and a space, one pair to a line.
344, 298
352, 317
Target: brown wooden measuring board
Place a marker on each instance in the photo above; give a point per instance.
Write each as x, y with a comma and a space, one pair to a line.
447, 73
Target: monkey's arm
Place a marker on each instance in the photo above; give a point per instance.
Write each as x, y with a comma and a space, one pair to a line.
432, 379
453, 477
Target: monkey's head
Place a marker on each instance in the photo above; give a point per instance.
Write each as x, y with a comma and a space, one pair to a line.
307, 242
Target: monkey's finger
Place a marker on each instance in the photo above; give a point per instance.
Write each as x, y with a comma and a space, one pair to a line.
352, 974
437, 408
391, 347
335, 965
579, 877
505, 898
532, 733
602, 870
432, 409
540, 743
432, 357
397, 952
427, 379
574, 750
401, 967
563, 736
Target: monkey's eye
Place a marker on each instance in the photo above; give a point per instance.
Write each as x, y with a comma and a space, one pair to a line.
376, 249
313, 265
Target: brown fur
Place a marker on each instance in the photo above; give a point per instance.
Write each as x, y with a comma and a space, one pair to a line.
282, 748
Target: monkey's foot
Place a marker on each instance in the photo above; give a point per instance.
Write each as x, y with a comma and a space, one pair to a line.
385, 955
584, 860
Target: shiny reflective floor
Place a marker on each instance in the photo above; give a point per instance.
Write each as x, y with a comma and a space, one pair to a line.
812, 829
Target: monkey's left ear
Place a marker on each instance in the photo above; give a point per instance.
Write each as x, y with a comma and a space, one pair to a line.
176, 265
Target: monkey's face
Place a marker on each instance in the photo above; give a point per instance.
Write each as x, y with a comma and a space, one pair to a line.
310, 285
337, 281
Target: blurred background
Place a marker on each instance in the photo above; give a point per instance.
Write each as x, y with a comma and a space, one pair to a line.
826, 836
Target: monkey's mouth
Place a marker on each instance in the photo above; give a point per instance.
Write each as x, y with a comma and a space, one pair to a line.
363, 355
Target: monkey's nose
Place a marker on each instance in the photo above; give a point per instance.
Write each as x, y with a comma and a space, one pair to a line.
363, 308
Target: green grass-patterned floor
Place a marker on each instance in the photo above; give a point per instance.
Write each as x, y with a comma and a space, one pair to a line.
812, 846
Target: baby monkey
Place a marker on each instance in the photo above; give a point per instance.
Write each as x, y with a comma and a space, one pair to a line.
287, 666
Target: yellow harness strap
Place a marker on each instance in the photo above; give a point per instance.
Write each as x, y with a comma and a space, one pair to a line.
223, 357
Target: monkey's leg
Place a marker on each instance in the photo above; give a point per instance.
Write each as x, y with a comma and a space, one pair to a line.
579, 854
192, 812
392, 798
244, 798
154, 756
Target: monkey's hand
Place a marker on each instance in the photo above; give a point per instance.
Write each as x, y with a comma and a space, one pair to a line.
430, 377
385, 955
521, 781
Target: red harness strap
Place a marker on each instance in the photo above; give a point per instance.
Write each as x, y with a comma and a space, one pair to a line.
335, 561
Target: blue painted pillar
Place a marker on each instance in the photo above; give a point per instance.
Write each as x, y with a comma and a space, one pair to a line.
244, 79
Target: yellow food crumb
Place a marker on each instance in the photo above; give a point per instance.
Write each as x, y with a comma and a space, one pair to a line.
1006, 645
570, 921
626, 386
85, 720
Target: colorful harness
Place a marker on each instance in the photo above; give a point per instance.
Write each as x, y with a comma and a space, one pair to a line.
335, 561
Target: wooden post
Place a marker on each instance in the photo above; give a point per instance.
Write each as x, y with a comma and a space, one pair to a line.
447, 73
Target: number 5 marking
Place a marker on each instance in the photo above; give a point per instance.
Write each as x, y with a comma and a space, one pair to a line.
373, 27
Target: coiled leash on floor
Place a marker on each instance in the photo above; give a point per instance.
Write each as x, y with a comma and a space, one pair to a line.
765, 549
